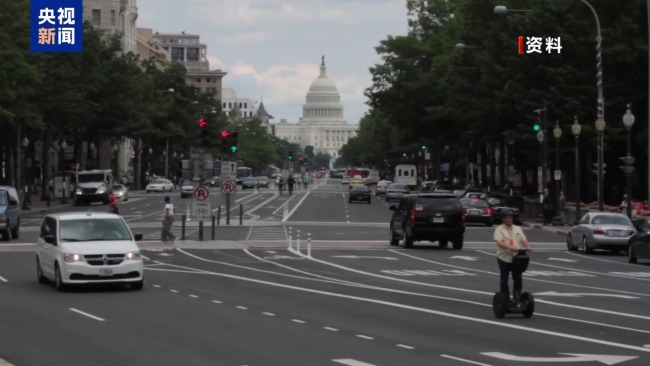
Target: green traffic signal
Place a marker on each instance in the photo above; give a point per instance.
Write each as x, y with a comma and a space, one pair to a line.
233, 149
424, 147
536, 127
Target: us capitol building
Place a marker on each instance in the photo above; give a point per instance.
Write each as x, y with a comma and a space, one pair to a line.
322, 124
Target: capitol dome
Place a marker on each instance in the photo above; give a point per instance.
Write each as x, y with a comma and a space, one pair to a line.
323, 101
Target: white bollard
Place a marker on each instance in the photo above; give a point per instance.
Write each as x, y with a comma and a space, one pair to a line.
290, 239
298, 241
285, 214
188, 213
309, 245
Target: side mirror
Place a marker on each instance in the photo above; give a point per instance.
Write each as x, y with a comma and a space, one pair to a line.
392, 208
49, 239
13, 202
137, 237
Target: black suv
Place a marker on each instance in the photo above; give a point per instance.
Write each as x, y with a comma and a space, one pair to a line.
428, 216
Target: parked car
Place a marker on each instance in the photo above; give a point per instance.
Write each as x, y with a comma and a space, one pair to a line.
160, 185
88, 247
9, 213
381, 187
396, 192
187, 187
359, 193
601, 230
477, 210
499, 205
121, 192
639, 244
428, 216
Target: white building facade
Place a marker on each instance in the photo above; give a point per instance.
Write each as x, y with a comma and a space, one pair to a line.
322, 124
116, 16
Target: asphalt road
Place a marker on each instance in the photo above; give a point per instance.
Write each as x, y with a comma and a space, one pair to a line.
356, 301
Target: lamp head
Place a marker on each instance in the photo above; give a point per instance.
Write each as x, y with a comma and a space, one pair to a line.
500, 9
628, 117
576, 128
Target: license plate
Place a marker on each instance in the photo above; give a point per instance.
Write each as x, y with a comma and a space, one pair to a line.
438, 219
616, 233
106, 272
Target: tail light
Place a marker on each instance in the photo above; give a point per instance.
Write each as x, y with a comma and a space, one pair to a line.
462, 217
488, 211
413, 217
599, 231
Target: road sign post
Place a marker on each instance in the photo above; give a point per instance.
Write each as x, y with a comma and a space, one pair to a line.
228, 187
201, 207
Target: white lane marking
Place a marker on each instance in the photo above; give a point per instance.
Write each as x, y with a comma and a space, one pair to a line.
404, 346
364, 336
424, 310
3, 279
298, 321
268, 314
351, 362
241, 307
331, 329
464, 360
157, 286
574, 357
296, 206
591, 257
217, 302
594, 309
174, 291
581, 294
88, 315
385, 289
193, 296
4, 362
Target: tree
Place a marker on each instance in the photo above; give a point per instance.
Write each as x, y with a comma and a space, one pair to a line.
309, 151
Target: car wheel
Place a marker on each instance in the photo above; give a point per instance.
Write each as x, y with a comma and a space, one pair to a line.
39, 272
15, 232
569, 243
393, 240
585, 247
58, 281
457, 243
408, 240
137, 285
489, 224
630, 255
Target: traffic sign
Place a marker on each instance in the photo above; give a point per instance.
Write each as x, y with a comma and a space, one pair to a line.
228, 170
201, 193
628, 160
201, 210
557, 174
228, 186
627, 169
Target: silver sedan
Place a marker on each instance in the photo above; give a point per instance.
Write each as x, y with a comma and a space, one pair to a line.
600, 230
396, 191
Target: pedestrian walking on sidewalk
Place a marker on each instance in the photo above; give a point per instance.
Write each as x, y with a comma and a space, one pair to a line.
561, 207
168, 221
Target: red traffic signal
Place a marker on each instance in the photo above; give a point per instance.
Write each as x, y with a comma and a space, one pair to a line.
203, 123
300, 158
224, 133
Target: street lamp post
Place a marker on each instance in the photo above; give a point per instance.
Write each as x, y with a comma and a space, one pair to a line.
545, 178
115, 156
628, 121
557, 133
27, 199
575, 130
166, 153
64, 199
540, 138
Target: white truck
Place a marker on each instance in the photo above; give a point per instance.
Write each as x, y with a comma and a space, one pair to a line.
406, 174
93, 186
373, 176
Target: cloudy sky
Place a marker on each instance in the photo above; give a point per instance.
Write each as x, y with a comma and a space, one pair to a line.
272, 48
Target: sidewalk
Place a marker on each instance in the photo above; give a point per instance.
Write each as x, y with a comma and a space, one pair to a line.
38, 205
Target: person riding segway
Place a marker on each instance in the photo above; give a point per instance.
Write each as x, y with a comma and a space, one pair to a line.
512, 258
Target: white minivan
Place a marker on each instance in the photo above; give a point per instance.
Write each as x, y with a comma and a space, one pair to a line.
406, 174
88, 247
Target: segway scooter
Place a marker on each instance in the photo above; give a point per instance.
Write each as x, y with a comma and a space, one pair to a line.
501, 305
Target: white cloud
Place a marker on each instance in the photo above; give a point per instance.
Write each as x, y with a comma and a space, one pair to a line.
243, 38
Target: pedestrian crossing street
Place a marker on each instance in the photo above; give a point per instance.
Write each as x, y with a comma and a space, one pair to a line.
176, 230
267, 233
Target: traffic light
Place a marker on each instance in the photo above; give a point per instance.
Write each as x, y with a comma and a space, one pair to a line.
225, 144
202, 132
424, 147
536, 127
234, 144
290, 155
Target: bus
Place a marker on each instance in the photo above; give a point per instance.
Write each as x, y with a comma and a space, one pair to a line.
243, 172
362, 172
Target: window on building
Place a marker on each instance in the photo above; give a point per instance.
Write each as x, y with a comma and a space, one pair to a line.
245, 105
240, 105
192, 54
113, 17
96, 17
224, 104
178, 54
229, 104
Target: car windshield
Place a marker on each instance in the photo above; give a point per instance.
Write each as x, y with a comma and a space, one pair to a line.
91, 177
439, 203
473, 202
188, 183
610, 220
3, 197
93, 230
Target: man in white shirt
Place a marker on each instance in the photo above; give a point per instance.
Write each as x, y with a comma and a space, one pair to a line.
168, 221
509, 238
